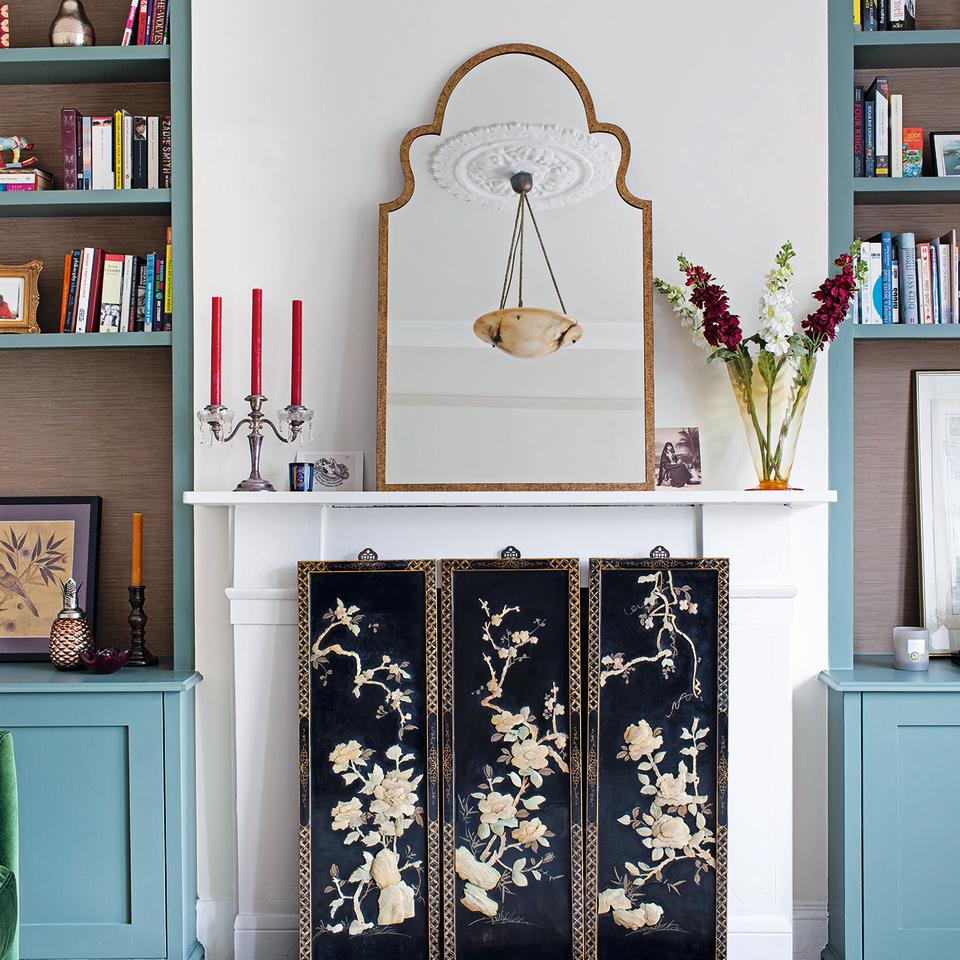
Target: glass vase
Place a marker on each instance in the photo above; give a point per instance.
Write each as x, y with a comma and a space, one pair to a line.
771, 393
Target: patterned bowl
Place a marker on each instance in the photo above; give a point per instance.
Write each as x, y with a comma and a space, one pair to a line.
108, 660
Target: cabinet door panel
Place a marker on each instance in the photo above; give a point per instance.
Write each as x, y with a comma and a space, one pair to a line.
90, 778
911, 779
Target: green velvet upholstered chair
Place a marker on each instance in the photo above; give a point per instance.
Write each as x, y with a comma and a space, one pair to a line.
9, 911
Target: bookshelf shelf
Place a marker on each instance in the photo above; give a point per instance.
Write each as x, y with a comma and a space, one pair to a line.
867, 190
908, 331
97, 341
85, 203
85, 65
908, 48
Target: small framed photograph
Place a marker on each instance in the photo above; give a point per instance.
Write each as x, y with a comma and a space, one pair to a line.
43, 541
334, 471
946, 153
678, 457
19, 297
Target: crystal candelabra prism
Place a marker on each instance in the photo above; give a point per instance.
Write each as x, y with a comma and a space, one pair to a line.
215, 427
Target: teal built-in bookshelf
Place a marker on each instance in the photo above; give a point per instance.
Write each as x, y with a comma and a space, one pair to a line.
105, 765
889, 890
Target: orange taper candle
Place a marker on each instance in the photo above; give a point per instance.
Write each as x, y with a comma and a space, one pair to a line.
136, 566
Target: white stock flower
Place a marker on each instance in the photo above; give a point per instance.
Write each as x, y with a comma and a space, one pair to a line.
776, 321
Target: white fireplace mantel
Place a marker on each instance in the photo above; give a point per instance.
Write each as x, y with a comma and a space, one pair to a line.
270, 532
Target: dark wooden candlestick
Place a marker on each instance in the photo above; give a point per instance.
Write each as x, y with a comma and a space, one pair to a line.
140, 656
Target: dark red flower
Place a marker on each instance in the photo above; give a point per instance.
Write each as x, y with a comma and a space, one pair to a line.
834, 295
721, 328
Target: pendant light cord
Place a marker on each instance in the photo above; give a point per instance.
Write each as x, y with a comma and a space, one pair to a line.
516, 245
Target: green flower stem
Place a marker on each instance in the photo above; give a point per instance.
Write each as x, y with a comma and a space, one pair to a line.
745, 376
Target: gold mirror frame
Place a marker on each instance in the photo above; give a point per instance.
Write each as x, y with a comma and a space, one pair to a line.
29, 273
434, 129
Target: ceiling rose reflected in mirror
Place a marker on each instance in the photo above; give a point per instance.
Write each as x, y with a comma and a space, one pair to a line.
526, 332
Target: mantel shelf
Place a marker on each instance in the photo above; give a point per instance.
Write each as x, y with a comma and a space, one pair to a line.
512, 498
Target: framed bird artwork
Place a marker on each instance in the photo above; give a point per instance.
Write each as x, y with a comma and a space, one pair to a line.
43, 541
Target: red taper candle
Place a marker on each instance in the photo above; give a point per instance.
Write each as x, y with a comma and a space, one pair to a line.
296, 357
256, 356
216, 327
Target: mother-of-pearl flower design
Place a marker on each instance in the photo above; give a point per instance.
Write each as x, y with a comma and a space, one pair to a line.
383, 805
673, 827
506, 844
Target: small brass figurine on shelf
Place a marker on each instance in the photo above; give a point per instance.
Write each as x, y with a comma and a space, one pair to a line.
216, 419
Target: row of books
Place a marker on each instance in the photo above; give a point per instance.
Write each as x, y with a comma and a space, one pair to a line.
882, 146
910, 282
117, 293
884, 14
148, 23
119, 152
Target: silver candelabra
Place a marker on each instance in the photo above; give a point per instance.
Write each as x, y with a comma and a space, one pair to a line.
216, 419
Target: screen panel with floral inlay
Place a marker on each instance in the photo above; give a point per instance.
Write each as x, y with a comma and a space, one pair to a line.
369, 775
656, 818
512, 836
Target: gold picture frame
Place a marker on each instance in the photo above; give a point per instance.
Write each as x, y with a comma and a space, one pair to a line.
24, 306
434, 128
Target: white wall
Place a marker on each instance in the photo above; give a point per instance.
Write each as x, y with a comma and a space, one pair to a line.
298, 112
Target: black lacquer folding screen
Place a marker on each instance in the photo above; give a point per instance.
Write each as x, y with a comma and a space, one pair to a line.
512, 836
656, 818
369, 783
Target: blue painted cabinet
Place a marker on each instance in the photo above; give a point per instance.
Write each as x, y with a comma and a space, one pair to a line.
894, 782
105, 779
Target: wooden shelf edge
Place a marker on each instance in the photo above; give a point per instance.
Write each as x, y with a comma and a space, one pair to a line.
62, 341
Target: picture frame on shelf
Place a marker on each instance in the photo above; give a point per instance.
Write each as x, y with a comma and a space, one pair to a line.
937, 411
945, 148
679, 462
43, 541
334, 471
20, 297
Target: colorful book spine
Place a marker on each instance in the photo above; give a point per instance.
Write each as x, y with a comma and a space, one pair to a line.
149, 30
83, 290
907, 262
65, 294
858, 131
166, 152
141, 308
879, 94
912, 151
857, 23
139, 159
150, 295
924, 303
943, 278
111, 293
127, 151
142, 24
158, 294
883, 9
935, 282
874, 299
96, 288
869, 138
896, 17
68, 147
102, 149
886, 276
131, 23
159, 21
126, 285
168, 282
153, 152
896, 291
896, 135
870, 15
70, 320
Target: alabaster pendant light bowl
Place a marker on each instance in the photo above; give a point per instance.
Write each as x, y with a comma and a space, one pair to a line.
527, 332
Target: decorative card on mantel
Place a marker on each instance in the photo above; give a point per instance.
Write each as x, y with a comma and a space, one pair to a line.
656, 822
369, 770
512, 836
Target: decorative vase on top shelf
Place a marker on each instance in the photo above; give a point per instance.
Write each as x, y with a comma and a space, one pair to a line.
71, 27
772, 370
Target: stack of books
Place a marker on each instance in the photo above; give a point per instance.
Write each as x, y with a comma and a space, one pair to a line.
117, 293
910, 282
19, 172
882, 146
884, 14
118, 152
148, 23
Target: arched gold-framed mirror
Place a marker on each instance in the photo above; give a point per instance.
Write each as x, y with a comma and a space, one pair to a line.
515, 327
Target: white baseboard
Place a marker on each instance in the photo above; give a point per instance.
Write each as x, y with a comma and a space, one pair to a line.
274, 937
215, 928
809, 930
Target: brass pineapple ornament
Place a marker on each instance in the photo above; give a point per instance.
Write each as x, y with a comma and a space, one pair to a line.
70, 632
